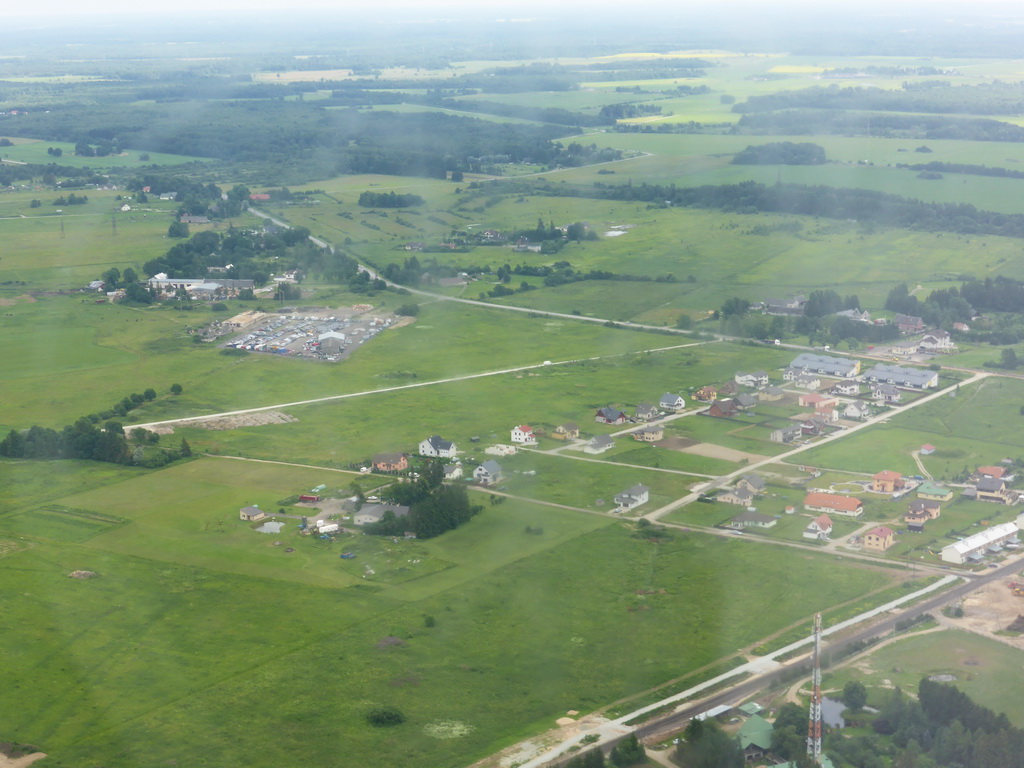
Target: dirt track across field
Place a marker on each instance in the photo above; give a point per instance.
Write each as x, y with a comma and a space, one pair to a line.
237, 421
20, 762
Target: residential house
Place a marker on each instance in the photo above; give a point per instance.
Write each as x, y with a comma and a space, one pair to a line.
488, 473
632, 497
647, 412
369, 514
838, 367
992, 489
835, 503
915, 378
856, 315
879, 539
771, 394
815, 400
997, 472
819, 529
670, 402
755, 737
706, 394
919, 512
567, 431
745, 402
927, 449
813, 425
961, 327
753, 483
739, 496
390, 462
857, 410
786, 434
722, 409
807, 381
599, 444
452, 471
936, 342
610, 415
886, 481
251, 513
886, 393
523, 434
750, 519
933, 492
728, 388
436, 447
757, 379
908, 323
848, 388
973, 548
649, 434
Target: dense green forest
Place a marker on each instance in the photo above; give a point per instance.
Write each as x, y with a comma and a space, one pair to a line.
807, 122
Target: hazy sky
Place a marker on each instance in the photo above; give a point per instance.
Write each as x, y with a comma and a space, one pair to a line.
497, 8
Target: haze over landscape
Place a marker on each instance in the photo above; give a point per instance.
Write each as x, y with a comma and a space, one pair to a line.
511, 384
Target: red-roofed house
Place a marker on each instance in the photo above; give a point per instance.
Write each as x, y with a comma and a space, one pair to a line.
813, 399
927, 449
820, 528
524, 434
833, 502
259, 196
996, 472
887, 481
879, 539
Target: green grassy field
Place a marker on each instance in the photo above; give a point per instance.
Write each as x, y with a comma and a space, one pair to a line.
985, 670
34, 151
194, 617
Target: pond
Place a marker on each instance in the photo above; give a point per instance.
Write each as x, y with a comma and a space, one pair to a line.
270, 527
832, 712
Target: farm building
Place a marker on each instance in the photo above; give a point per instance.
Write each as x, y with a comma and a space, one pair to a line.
374, 513
488, 473
820, 528
435, 447
750, 519
835, 503
915, 378
886, 481
927, 449
251, 513
973, 548
879, 539
390, 462
839, 367
632, 497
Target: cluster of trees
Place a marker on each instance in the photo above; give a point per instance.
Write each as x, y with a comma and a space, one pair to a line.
627, 752
114, 279
806, 122
705, 745
781, 153
935, 97
434, 507
610, 113
71, 199
389, 200
966, 168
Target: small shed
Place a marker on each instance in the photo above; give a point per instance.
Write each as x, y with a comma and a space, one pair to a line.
251, 513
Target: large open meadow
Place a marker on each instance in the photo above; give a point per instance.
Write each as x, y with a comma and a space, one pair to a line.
194, 618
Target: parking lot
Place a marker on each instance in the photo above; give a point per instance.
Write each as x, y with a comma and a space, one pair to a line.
328, 334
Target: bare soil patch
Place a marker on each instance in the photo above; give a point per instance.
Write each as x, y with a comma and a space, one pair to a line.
26, 298
991, 609
258, 419
713, 451
677, 443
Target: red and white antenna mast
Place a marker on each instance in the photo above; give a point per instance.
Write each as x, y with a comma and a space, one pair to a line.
814, 724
